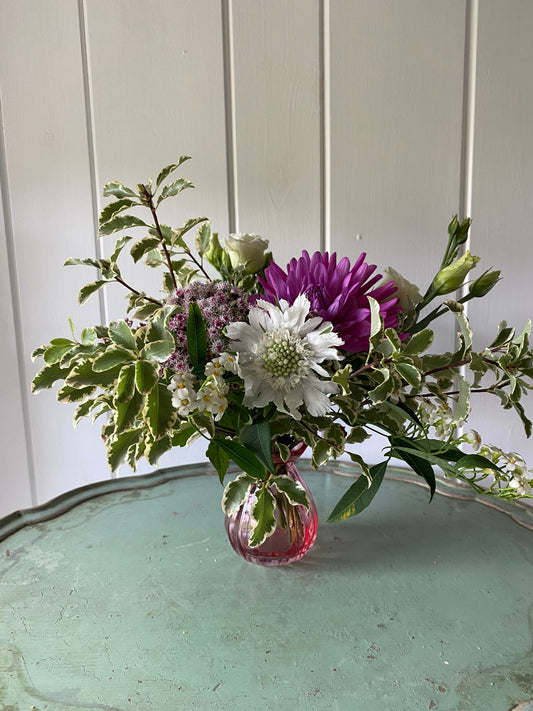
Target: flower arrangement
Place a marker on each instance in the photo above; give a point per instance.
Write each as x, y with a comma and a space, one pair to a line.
258, 359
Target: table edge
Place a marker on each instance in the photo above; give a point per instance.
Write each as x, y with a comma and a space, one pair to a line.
10, 524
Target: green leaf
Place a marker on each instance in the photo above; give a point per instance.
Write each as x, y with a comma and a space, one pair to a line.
127, 412
72, 261
117, 189
144, 245
89, 289
293, 490
114, 208
70, 394
158, 351
53, 354
121, 335
126, 383
185, 435
242, 457
321, 453
262, 514
156, 448
119, 246
376, 324
47, 376
420, 466
83, 375
419, 342
218, 458
111, 358
462, 407
359, 495
168, 170
257, 439
89, 336
174, 188
121, 223
159, 412
409, 373
146, 375
202, 238
118, 449
236, 493
196, 337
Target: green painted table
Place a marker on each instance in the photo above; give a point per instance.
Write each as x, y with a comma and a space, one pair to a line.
126, 595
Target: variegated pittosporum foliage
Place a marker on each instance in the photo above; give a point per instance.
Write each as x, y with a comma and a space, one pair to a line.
116, 371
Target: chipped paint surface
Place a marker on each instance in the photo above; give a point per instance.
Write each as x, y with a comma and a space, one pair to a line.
136, 600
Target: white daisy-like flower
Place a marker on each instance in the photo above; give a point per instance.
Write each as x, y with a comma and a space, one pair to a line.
279, 355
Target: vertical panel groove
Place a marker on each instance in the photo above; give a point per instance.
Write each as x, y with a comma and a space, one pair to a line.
23, 376
229, 107
325, 124
89, 121
469, 101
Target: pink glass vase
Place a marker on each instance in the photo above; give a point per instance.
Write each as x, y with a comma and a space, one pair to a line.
296, 527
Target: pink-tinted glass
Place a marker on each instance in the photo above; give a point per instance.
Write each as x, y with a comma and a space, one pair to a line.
288, 543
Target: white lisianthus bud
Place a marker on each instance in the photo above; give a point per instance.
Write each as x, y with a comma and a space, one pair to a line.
248, 251
407, 293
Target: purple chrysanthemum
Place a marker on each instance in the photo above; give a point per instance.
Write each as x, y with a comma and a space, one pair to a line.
337, 293
219, 303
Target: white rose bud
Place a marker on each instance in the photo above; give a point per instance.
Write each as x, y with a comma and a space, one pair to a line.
247, 251
407, 293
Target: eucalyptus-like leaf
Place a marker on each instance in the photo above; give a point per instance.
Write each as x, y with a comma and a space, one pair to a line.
70, 394
111, 358
83, 375
146, 375
47, 376
321, 453
128, 412
419, 343
121, 335
409, 373
119, 447
236, 493
293, 490
114, 208
159, 411
165, 172
90, 289
143, 246
262, 514
54, 353
126, 383
174, 189
158, 351
118, 189
121, 223
462, 407
202, 239
156, 448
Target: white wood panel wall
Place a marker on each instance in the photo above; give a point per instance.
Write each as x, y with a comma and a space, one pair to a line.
334, 124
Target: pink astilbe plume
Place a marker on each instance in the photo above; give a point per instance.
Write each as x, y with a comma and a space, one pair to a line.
337, 293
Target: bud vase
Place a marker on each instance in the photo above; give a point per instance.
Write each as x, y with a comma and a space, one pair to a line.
296, 527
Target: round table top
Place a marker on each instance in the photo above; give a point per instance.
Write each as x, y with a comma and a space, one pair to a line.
127, 595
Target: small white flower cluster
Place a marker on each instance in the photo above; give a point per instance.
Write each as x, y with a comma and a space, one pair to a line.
440, 417
210, 396
518, 476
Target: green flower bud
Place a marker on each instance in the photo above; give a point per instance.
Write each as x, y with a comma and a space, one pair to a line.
483, 284
451, 278
215, 254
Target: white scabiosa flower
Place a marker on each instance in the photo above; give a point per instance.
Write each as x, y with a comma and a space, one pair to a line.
279, 354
